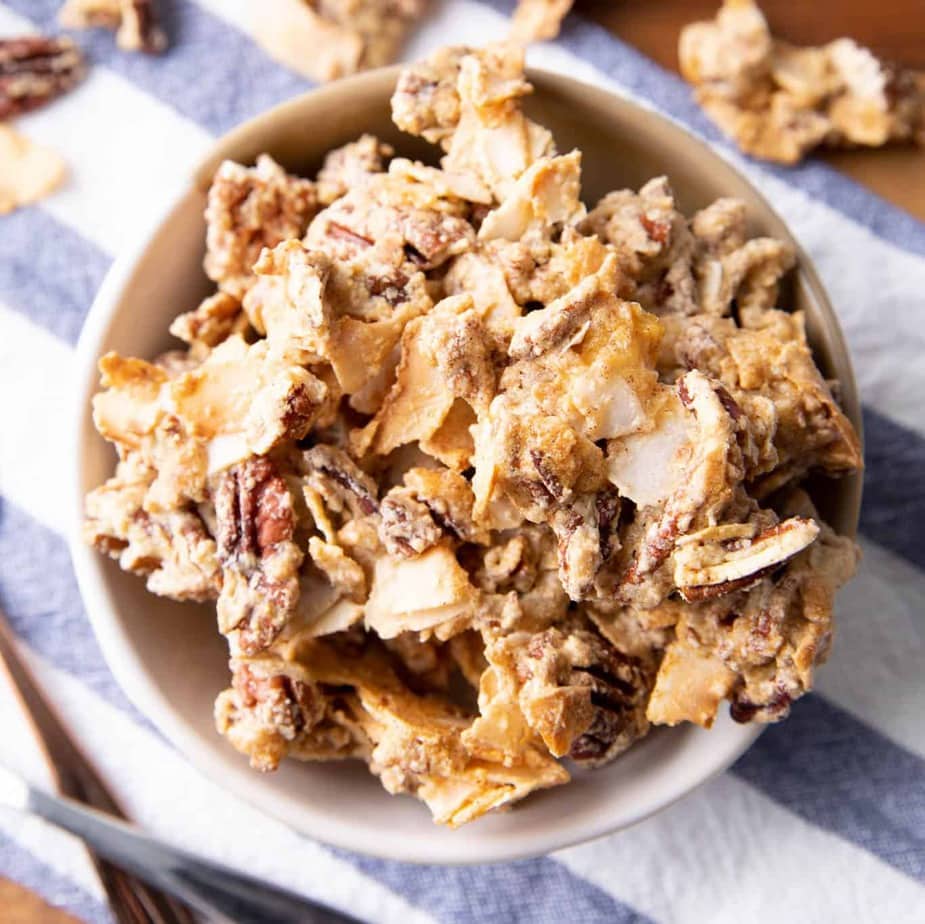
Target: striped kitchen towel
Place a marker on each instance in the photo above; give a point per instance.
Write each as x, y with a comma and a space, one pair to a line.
823, 820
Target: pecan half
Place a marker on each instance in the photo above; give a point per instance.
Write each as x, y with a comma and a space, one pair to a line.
34, 70
254, 524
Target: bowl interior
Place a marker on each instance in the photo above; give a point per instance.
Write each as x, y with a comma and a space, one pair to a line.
169, 656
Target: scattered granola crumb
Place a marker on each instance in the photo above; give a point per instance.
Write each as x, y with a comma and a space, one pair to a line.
333, 38
538, 20
28, 171
135, 22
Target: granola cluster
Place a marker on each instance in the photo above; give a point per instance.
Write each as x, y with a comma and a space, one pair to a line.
778, 101
136, 23
327, 39
536, 20
480, 480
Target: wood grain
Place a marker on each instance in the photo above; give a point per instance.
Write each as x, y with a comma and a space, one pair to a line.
893, 29
20, 906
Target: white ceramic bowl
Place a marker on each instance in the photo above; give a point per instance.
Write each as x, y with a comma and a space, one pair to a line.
170, 658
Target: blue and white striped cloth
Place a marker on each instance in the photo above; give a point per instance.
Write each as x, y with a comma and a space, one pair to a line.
822, 821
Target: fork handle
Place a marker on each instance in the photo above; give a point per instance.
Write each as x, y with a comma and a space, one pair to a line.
221, 893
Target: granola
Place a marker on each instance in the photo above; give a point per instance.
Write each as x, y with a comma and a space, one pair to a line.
327, 39
135, 22
778, 101
536, 20
28, 171
485, 483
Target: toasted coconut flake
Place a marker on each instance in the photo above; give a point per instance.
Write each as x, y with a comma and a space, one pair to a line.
418, 593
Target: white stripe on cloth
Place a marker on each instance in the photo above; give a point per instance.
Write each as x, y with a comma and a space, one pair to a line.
38, 369
727, 854
170, 799
875, 671
238, 13
127, 153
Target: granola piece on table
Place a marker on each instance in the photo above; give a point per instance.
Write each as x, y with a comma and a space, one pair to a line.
778, 102
538, 20
329, 39
28, 171
135, 22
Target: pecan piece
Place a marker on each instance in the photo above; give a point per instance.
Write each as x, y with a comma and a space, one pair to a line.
407, 527
254, 524
34, 70
340, 481
276, 709
585, 698
722, 559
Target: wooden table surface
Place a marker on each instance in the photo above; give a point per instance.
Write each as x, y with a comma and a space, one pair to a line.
894, 29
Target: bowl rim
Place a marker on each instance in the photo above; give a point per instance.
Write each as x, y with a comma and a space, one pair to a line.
126, 663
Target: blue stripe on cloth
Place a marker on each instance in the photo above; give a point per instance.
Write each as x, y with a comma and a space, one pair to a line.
48, 271
28, 870
643, 77
38, 593
893, 514
212, 73
523, 892
838, 774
